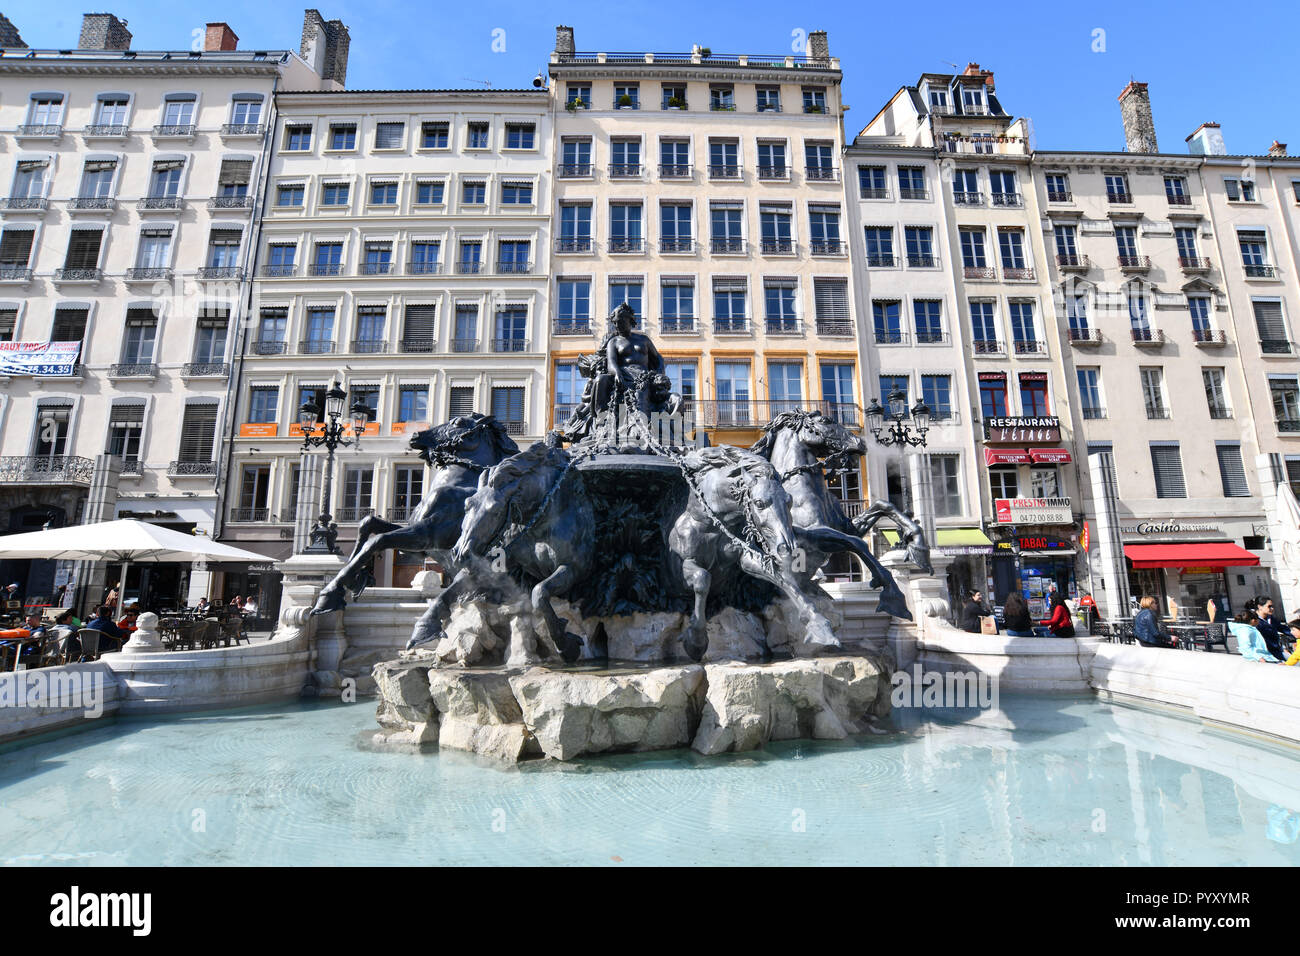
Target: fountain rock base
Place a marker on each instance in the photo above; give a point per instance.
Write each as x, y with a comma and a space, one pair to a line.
566, 713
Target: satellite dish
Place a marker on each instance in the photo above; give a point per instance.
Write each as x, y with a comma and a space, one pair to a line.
539, 81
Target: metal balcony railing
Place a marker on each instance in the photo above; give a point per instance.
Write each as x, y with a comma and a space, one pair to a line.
1058, 196
728, 246
931, 336
748, 413
39, 129
676, 245
1156, 411
1258, 271
249, 515
369, 346
150, 273
1118, 197
101, 203
1072, 263
1008, 200
350, 514
678, 324
1151, 337
25, 203
881, 261
515, 427
1179, 199
14, 273
463, 345
968, 199
776, 246
325, 269
908, 192
46, 469
469, 268
1092, 411
417, 345
825, 174
510, 345
427, 268
376, 268
978, 272
624, 170
1029, 347
889, 336
78, 275
987, 347
675, 171
1135, 263
242, 129
1193, 264
826, 247
220, 272
734, 324
1209, 337
185, 469
1275, 346
724, 171
625, 244
160, 202
834, 327
270, 347
133, 370
205, 369
1219, 412
922, 262
573, 170
574, 244
1288, 425
571, 327
106, 130
180, 129
514, 268
1085, 337
783, 327
315, 347
280, 271
1017, 274
871, 192
774, 172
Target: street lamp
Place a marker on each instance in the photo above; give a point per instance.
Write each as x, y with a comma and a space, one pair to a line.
893, 417
328, 408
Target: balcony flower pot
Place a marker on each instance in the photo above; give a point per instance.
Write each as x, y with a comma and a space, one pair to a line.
705, 51
675, 104
624, 101
816, 109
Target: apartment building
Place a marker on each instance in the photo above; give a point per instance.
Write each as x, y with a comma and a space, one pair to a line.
1013, 363
404, 255
911, 341
1167, 294
705, 191
125, 245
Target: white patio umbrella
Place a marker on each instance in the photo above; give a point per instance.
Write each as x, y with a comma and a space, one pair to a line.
125, 542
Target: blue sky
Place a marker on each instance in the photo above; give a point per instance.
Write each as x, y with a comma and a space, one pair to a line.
1231, 64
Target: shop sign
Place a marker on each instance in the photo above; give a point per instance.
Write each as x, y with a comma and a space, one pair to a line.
1033, 511
1045, 543
1022, 430
1173, 526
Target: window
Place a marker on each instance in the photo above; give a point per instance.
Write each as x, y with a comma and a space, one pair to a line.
29, 180
1273, 338
625, 157
198, 432
465, 337
513, 255
83, 249
379, 258
837, 388
1239, 190
1002, 187
408, 487
732, 391
1153, 392
460, 401
936, 392
343, 136
15, 248
477, 136
290, 195
429, 192
629, 291
383, 194
125, 431
1198, 306
1285, 392
434, 135
1126, 245
139, 337
573, 304
1216, 395
1231, 470
674, 157
508, 408
1058, 187
1254, 252
831, 302
928, 316
371, 320
521, 136
358, 487
675, 229
983, 326
725, 219
281, 259
166, 179
1067, 250
1023, 331
993, 394
8, 322
871, 182
424, 257
729, 313
575, 157
1137, 316
233, 180
774, 220
1011, 245
779, 299
722, 98
178, 110
1033, 395
818, 160
677, 295
1090, 393
824, 229
1004, 482
97, 179
45, 109
1117, 188
1176, 191
887, 322
1076, 307
814, 99
413, 403
769, 99
297, 138
1044, 483
880, 245
627, 96
272, 325
911, 182
972, 248
474, 192
329, 259
1185, 239
966, 187
578, 95
673, 97
724, 162
575, 227
920, 246
223, 249
334, 194
515, 193
784, 386
53, 417
682, 375
1167, 466
625, 227
318, 338
112, 111
389, 135
945, 485
262, 403
244, 111
418, 328
893, 383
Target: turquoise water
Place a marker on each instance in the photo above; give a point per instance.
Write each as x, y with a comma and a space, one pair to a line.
1041, 781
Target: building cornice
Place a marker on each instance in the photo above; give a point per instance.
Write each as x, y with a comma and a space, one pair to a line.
145, 65
539, 99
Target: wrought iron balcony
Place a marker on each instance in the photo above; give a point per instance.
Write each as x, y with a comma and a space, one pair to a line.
1149, 338
626, 244
910, 192
315, 347
133, 370
514, 268
1259, 271
427, 268
39, 130
175, 129
1017, 275
733, 325
130, 466
160, 202
349, 514
784, 327
14, 273
469, 268
1220, 413
931, 336
825, 174
105, 131
1118, 197
1135, 263
205, 370
1275, 346
968, 198
674, 171
871, 192
417, 345
1288, 425
1029, 347
978, 272
46, 470
281, 271
1209, 337
889, 336
325, 269
78, 275
1073, 263
826, 247
25, 204
987, 347
1156, 411
774, 172
515, 427
270, 347
1092, 411
242, 129
922, 262
220, 272
1179, 199
573, 170
369, 346
571, 327
147, 274
230, 202
376, 268
573, 244
728, 246
676, 245
724, 171
510, 345
191, 469
624, 170
771, 247
1084, 337
1054, 195
1008, 200
249, 515
678, 324
834, 327
1193, 264
92, 203
402, 513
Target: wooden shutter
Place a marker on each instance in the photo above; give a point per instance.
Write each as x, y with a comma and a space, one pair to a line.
1232, 471
1269, 321
83, 249
832, 299
16, 246
1168, 468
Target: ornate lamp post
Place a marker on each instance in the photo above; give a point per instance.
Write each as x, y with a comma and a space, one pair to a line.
893, 420
328, 408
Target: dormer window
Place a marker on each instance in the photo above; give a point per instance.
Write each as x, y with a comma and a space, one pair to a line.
972, 99
938, 100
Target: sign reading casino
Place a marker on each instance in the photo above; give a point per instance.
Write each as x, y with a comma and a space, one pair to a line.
1020, 430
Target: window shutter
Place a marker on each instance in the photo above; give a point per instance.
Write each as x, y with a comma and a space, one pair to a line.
1232, 471
163, 165
1168, 468
126, 414
236, 172
419, 326
83, 248
16, 245
69, 325
389, 135
198, 430
1268, 319
462, 401
225, 237
832, 299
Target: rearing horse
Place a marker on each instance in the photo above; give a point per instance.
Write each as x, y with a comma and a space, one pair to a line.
460, 451
795, 442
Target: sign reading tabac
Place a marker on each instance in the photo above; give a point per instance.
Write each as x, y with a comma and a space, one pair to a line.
1021, 430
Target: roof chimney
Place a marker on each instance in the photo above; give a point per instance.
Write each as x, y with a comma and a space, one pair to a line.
819, 47
103, 31
564, 41
1139, 127
219, 37
973, 69
1277, 149
9, 38
325, 46
1207, 140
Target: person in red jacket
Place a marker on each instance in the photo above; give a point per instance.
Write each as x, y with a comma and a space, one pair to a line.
1060, 623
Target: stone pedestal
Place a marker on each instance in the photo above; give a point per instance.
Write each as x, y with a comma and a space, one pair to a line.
145, 640
304, 577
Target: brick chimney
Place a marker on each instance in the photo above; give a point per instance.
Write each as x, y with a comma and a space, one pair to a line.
219, 37
325, 46
1139, 127
973, 69
1277, 149
103, 31
9, 38
819, 47
1207, 140
564, 41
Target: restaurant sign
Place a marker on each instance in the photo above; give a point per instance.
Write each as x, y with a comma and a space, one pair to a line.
1022, 430
1033, 511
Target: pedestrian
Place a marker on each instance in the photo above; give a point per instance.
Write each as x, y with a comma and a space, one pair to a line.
1060, 623
972, 611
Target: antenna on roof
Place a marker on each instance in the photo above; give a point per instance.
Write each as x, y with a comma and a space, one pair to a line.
487, 84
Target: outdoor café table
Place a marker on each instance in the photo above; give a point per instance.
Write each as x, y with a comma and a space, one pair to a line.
1186, 634
15, 640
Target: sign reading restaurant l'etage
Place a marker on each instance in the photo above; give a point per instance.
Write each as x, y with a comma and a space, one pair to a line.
1022, 430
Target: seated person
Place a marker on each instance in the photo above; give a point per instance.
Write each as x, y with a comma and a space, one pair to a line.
1268, 625
110, 636
1015, 616
1250, 642
1294, 625
250, 607
1061, 623
202, 608
127, 625
1145, 626
972, 611
14, 640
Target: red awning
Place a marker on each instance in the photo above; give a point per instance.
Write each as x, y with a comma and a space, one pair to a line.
1217, 555
1050, 456
1007, 456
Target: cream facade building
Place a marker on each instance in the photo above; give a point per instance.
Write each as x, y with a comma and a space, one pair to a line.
404, 254
126, 228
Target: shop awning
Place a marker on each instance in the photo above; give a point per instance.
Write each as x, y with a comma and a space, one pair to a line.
954, 541
1007, 456
1219, 554
1050, 456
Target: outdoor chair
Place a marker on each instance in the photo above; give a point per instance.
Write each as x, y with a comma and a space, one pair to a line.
89, 638
52, 650
1216, 634
1123, 633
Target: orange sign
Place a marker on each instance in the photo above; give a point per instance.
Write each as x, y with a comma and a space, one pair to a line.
295, 430
1084, 538
258, 430
406, 428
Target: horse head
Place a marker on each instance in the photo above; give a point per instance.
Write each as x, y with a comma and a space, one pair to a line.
819, 435
766, 506
477, 439
485, 516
